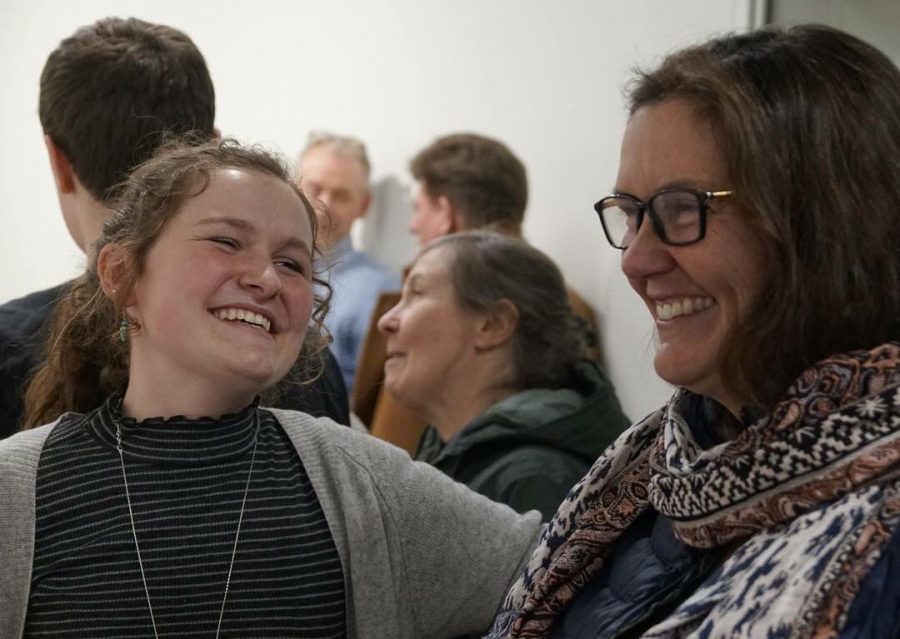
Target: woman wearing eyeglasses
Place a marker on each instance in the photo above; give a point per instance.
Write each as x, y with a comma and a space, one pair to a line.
756, 210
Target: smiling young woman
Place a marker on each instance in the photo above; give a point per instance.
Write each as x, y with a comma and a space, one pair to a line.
241, 253
181, 507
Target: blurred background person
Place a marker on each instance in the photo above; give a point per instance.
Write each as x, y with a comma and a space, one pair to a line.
464, 181
467, 181
484, 346
334, 170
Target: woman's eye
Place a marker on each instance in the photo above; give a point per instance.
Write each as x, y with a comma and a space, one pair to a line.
291, 265
226, 241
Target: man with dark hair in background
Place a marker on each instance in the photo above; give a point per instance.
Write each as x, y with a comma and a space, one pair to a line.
467, 181
109, 95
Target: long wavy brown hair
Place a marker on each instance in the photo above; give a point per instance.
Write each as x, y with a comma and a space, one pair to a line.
84, 359
808, 119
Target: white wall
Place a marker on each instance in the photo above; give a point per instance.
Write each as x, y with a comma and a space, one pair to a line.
543, 76
875, 21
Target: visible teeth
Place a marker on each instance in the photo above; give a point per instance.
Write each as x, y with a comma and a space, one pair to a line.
247, 317
683, 306
261, 321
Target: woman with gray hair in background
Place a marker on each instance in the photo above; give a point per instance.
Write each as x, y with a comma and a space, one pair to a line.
484, 345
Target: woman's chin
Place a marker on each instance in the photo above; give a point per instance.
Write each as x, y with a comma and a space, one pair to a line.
250, 382
390, 385
397, 390
261, 372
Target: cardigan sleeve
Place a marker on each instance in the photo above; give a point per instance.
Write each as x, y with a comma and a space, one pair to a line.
424, 556
460, 551
19, 456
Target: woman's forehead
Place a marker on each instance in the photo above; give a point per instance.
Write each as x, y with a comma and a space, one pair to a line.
265, 202
667, 143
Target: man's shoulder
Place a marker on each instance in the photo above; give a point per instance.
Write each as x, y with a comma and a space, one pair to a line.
326, 396
23, 325
24, 316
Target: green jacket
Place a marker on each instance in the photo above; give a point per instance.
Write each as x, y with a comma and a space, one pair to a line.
528, 450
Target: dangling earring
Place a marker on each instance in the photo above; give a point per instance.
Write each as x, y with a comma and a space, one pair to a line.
123, 329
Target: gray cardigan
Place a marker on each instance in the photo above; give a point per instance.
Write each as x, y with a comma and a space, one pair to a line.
422, 555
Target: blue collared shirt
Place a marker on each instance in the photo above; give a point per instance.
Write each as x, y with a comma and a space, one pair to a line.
357, 280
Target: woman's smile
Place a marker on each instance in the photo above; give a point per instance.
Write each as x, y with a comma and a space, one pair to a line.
247, 317
682, 307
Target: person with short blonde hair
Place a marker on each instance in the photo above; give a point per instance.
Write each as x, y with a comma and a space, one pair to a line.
334, 171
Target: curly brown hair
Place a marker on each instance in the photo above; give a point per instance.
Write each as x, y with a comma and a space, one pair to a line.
84, 360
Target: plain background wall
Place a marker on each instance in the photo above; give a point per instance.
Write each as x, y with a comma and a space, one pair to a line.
875, 21
545, 77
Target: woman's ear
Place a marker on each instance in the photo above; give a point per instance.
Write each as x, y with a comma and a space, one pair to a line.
497, 326
112, 266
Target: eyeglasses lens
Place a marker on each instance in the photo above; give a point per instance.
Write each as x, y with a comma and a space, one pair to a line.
620, 219
679, 213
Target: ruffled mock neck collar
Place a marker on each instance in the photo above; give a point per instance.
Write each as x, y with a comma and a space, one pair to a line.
178, 439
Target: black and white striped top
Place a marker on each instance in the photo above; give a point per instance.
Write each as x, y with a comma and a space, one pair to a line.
187, 480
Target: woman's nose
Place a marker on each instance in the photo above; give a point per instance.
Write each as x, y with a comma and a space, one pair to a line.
262, 277
387, 323
647, 254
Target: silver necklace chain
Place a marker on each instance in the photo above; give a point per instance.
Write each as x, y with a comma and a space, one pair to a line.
237, 534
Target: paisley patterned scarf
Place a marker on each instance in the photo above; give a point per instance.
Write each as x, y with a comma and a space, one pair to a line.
824, 464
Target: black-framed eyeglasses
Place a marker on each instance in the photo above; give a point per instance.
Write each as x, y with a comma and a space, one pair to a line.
678, 215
